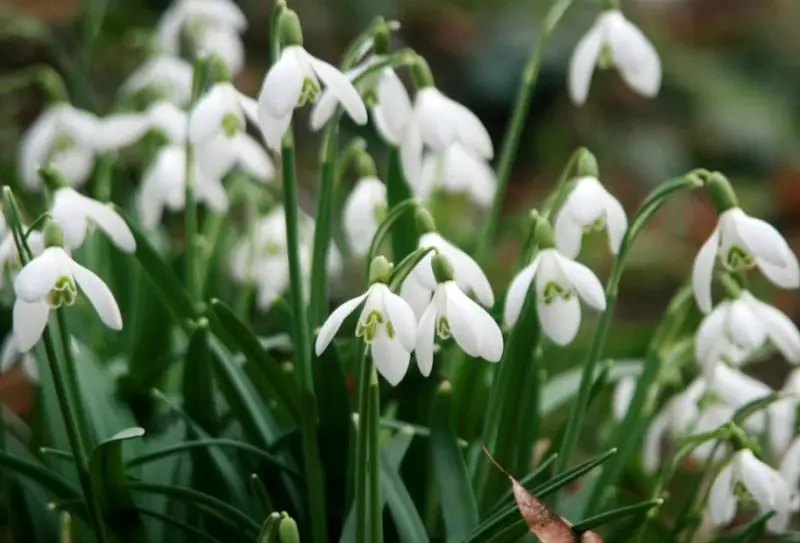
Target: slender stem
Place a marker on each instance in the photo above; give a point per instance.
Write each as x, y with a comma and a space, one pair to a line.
302, 344
190, 218
519, 115
405, 237
73, 381
373, 432
104, 165
362, 445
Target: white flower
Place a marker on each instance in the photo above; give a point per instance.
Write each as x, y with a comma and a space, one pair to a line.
783, 414
294, 80
736, 388
49, 281
75, 213
742, 242
736, 328
456, 170
790, 471
169, 120
613, 40
364, 211
164, 185
767, 487
453, 313
589, 207
419, 285
224, 43
169, 77
623, 394
10, 356
438, 122
559, 283
392, 110
386, 324
216, 129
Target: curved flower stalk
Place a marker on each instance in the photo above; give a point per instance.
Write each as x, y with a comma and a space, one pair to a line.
614, 41
386, 324
457, 171
211, 26
452, 313
11, 356
740, 243
165, 76
364, 210
589, 207
764, 484
736, 328
560, 282
76, 214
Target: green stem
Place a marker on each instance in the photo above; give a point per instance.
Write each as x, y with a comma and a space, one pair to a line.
302, 342
364, 365
514, 132
104, 165
404, 238
73, 382
373, 433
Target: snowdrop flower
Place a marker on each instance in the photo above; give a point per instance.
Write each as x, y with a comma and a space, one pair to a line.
589, 207
614, 41
452, 313
623, 394
11, 356
168, 77
742, 242
224, 43
216, 128
76, 213
677, 418
790, 471
783, 414
169, 120
740, 326
364, 211
559, 283
456, 170
164, 185
386, 324
51, 280
766, 486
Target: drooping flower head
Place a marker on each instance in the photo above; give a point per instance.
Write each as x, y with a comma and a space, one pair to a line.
165, 76
364, 211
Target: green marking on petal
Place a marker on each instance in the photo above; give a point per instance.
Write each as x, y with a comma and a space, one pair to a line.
379, 211
64, 292
595, 226
310, 92
606, 58
553, 290
273, 248
443, 328
390, 329
368, 327
231, 125
62, 143
738, 259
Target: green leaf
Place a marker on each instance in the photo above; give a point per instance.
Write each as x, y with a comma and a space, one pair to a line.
41, 475
198, 382
558, 391
636, 510
409, 525
261, 499
404, 235
182, 526
459, 508
108, 484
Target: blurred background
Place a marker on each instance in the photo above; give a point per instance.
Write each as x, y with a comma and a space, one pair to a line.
729, 101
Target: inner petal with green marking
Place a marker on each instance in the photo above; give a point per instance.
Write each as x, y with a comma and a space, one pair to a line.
310, 92
64, 292
553, 290
443, 327
738, 259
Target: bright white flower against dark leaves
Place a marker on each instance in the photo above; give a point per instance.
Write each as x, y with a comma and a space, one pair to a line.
49, 281
614, 41
217, 130
392, 109
559, 283
293, 81
76, 213
736, 388
164, 185
169, 120
452, 313
736, 328
167, 77
765, 485
458, 171
364, 211
589, 207
386, 324
790, 471
10, 357
742, 242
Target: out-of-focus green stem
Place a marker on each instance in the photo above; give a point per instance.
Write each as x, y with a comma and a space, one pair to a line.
373, 435
190, 211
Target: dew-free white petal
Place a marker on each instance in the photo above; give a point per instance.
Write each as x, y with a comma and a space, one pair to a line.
334, 322
30, 319
702, 271
39, 276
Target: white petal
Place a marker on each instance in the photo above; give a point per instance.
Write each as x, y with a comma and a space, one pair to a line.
249, 107
323, 110
473, 134
745, 326
99, 295
416, 296
623, 393
425, 339
790, 464
225, 43
169, 119
787, 277
75, 163
120, 130
491, 348
334, 322
273, 129
252, 158
35, 146
111, 223
340, 86
390, 357
761, 238
582, 65
460, 315
651, 452
766, 486
585, 282
721, 500
702, 271
780, 328
394, 106
616, 223
437, 118
402, 318
782, 421
282, 86
205, 119
39, 276
210, 191
560, 319
411, 153
634, 56
710, 333
517, 292
568, 234
30, 320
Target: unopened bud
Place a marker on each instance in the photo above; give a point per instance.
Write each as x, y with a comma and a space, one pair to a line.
291, 33
721, 192
424, 221
442, 269
587, 165
379, 270
53, 236
287, 531
544, 234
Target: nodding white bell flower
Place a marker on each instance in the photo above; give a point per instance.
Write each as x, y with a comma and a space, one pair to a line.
49, 281
456, 170
789, 469
224, 43
76, 213
164, 185
739, 327
386, 324
294, 80
589, 207
364, 211
11, 356
453, 313
623, 394
766, 486
168, 77
217, 129
392, 109
742, 242
614, 41
419, 285
169, 120
783, 414
560, 281
438, 122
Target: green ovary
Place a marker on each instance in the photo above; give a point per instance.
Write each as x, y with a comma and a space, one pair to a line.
553, 290
64, 292
737, 259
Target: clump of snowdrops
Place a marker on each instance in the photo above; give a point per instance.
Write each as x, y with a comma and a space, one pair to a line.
169, 409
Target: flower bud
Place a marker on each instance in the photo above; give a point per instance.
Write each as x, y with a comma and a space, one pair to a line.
424, 221
287, 531
587, 164
442, 269
52, 177
421, 73
379, 270
544, 234
291, 33
721, 192
53, 236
